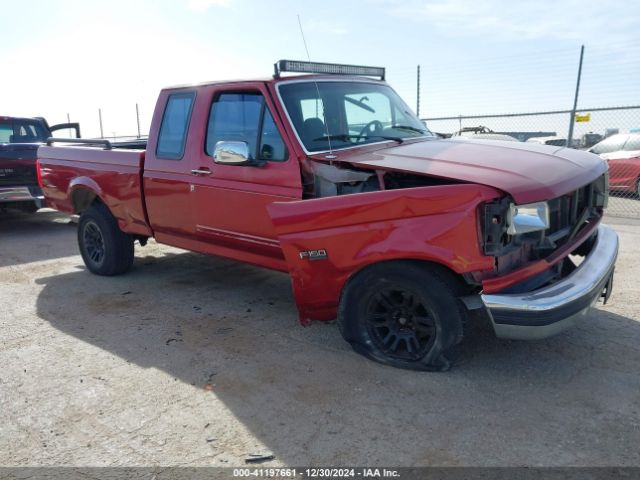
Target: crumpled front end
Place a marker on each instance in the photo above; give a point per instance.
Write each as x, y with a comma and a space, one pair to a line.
327, 240
532, 243
551, 309
551, 265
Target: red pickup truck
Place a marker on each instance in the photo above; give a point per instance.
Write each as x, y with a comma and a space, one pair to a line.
330, 177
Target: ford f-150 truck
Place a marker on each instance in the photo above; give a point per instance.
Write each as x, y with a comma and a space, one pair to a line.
401, 236
19, 141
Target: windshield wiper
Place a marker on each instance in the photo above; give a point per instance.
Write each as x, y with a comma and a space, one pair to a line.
339, 136
409, 127
345, 137
385, 137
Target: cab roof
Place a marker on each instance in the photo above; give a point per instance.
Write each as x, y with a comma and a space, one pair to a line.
274, 81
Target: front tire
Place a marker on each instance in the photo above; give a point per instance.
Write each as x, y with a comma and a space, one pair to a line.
105, 249
403, 314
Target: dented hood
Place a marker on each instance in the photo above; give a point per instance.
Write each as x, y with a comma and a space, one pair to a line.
527, 172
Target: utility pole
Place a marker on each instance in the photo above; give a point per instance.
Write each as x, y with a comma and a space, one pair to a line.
575, 100
100, 117
69, 121
138, 119
418, 93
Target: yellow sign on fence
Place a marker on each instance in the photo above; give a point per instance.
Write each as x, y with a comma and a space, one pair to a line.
583, 118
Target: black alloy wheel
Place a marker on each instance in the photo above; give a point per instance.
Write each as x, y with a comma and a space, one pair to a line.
94, 242
400, 323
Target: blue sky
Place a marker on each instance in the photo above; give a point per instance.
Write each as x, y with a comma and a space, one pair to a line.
67, 56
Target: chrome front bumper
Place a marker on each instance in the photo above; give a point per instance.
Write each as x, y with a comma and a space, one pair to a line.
552, 309
21, 194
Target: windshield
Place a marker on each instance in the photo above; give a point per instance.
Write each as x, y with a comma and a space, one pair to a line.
610, 144
334, 114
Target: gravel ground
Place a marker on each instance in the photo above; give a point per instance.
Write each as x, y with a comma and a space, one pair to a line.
192, 360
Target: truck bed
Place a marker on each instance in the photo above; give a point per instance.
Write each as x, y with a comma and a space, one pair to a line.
115, 174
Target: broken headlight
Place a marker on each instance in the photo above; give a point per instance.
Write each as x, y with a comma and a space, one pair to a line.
530, 217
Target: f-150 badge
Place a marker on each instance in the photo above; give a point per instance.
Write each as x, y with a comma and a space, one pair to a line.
314, 254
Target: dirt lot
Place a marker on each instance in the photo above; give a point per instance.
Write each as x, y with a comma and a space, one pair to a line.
190, 360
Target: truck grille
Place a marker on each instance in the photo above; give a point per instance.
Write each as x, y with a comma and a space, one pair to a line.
568, 213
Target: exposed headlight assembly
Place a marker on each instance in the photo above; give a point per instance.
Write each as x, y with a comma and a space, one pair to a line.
531, 217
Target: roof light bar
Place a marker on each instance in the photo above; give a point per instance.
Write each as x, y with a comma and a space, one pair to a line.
326, 68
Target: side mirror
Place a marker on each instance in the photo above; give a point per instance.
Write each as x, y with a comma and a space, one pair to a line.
234, 153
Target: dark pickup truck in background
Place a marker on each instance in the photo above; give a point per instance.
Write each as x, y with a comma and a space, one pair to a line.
398, 234
19, 142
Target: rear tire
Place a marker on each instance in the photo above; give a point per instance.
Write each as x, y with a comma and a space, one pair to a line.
404, 314
105, 249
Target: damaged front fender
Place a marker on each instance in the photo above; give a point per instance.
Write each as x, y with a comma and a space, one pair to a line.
327, 240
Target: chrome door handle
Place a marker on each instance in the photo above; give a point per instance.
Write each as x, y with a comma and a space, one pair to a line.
197, 171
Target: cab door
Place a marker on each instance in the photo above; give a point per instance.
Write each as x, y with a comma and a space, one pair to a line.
230, 201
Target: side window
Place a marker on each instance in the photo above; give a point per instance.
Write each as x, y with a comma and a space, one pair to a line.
175, 123
245, 117
271, 145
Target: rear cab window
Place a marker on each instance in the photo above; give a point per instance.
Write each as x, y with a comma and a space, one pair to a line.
175, 125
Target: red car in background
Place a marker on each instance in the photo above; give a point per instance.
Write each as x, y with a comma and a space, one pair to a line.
622, 153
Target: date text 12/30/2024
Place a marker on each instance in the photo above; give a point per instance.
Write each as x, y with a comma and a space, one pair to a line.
316, 472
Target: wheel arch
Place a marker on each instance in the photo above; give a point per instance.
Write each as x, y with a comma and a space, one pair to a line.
439, 268
83, 192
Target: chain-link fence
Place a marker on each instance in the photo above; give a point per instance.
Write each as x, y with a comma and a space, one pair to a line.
613, 133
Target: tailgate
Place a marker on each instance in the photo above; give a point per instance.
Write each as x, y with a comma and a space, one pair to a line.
18, 165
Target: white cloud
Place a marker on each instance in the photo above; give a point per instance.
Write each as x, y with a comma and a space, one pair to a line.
202, 5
